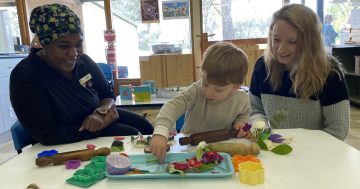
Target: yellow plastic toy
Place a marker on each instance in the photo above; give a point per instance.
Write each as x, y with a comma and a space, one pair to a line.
142, 93
251, 173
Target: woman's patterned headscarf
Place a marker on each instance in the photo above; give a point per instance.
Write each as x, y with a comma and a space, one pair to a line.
53, 21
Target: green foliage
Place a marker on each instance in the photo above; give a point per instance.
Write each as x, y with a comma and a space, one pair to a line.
199, 154
200, 169
264, 134
282, 149
341, 14
171, 169
261, 144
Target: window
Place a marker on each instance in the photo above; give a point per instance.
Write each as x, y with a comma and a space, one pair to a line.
238, 19
346, 14
94, 26
9, 25
133, 37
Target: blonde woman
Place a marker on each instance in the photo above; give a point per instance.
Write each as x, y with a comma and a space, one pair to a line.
297, 74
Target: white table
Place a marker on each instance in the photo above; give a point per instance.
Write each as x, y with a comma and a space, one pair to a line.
154, 103
318, 161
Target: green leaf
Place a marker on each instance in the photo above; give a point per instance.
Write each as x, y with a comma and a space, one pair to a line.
207, 148
261, 144
206, 167
152, 159
171, 169
265, 136
199, 153
282, 149
200, 169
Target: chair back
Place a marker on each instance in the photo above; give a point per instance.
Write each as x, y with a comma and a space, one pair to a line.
107, 70
21, 137
123, 71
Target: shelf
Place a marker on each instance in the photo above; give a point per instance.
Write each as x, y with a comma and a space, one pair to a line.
353, 74
346, 46
346, 54
355, 99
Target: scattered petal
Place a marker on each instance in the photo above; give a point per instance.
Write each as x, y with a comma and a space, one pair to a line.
276, 138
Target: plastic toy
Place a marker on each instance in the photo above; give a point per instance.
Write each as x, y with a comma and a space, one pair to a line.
236, 159
151, 84
72, 164
82, 155
91, 174
142, 93
119, 138
90, 146
47, 153
251, 173
117, 146
126, 92
117, 164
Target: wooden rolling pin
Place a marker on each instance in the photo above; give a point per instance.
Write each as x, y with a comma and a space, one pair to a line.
236, 148
208, 137
62, 158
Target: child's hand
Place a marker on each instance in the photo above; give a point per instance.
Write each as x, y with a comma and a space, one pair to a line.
242, 134
158, 147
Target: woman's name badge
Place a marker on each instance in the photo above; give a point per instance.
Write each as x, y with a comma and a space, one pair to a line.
85, 79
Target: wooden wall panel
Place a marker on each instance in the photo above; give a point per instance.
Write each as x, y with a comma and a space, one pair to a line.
253, 52
151, 69
167, 70
178, 69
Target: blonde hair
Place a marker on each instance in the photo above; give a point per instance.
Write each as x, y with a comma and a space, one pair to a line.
224, 63
310, 73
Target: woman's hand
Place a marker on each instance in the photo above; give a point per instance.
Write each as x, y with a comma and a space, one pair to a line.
96, 122
111, 117
158, 147
93, 122
241, 133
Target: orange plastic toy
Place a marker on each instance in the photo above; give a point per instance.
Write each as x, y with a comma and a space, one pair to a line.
236, 159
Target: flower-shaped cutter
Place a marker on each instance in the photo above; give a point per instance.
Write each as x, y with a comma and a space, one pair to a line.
251, 173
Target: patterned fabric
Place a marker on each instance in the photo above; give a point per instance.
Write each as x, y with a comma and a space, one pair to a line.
53, 21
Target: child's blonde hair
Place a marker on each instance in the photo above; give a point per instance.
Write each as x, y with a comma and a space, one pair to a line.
224, 63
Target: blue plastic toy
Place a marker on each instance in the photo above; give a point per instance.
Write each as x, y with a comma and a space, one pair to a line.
47, 153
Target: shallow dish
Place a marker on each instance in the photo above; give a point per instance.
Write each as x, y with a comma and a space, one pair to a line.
140, 161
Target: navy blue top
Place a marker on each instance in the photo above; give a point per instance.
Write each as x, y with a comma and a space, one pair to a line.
52, 107
329, 95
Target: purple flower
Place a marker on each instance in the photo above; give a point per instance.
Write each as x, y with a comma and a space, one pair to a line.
247, 127
276, 138
212, 157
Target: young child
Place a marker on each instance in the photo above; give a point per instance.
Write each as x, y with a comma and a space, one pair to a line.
214, 102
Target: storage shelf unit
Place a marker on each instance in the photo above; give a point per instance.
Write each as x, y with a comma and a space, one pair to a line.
167, 70
346, 54
7, 114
